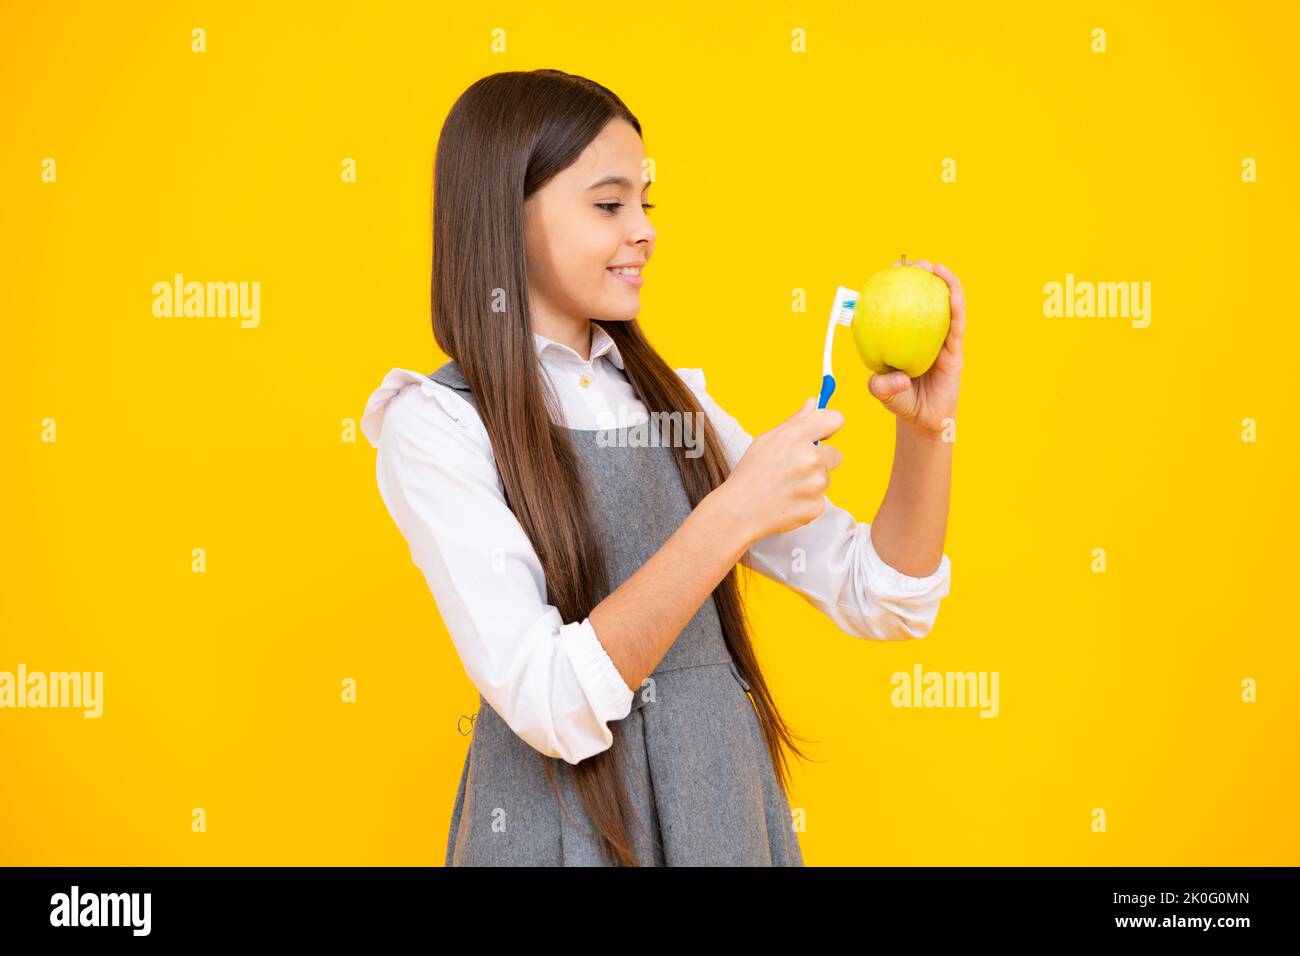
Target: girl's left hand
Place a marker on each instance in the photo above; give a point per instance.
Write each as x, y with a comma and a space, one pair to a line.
926, 402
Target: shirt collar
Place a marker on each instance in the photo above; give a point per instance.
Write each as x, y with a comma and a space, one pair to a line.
600, 344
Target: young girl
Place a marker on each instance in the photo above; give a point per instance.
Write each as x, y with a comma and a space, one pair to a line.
589, 582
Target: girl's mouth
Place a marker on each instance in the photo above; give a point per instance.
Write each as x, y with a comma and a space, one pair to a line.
635, 281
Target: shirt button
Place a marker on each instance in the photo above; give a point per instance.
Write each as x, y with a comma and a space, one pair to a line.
585, 381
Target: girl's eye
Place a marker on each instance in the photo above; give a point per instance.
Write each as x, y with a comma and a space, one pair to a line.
613, 207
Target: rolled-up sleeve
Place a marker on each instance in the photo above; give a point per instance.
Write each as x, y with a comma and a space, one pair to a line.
550, 680
831, 561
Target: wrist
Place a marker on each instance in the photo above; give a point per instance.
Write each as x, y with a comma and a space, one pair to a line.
730, 518
912, 429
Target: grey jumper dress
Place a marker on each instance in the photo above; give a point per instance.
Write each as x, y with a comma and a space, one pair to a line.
700, 780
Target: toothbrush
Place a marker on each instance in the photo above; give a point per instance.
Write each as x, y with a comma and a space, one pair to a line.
846, 300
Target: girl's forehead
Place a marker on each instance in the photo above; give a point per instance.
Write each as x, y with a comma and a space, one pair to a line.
617, 153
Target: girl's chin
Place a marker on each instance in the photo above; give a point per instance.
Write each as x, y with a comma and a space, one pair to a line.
619, 312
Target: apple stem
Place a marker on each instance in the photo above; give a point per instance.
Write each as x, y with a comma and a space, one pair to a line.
904, 259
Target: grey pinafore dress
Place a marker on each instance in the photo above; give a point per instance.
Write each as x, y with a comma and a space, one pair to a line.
699, 776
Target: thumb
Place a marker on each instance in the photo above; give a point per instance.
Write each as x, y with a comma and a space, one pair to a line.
889, 385
807, 404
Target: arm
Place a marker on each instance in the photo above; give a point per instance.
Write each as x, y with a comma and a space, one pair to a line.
910, 526
555, 683
639, 621
914, 515
832, 561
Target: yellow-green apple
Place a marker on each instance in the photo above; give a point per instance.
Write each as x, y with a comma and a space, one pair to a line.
901, 319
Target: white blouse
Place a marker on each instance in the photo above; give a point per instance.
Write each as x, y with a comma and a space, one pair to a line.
549, 679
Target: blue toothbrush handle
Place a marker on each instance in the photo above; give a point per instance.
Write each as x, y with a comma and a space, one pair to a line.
828, 387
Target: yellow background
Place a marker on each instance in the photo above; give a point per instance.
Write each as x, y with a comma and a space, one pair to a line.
775, 170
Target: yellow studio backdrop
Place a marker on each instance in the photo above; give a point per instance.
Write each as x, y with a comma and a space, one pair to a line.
191, 512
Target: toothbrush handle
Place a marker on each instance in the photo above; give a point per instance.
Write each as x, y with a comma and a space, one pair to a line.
828, 387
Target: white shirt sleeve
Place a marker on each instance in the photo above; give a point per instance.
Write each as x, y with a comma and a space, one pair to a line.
551, 681
831, 561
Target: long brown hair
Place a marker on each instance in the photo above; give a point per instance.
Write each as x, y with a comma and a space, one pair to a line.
504, 138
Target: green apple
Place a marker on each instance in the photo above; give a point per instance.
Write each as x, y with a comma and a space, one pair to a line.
901, 319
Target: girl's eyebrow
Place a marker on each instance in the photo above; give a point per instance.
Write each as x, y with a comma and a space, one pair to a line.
611, 181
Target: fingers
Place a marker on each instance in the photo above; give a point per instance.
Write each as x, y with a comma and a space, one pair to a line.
830, 455
956, 309
956, 296
810, 404
811, 422
954, 284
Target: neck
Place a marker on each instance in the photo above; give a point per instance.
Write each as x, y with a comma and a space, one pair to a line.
575, 333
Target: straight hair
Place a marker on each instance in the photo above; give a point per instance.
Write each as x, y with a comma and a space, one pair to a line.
505, 137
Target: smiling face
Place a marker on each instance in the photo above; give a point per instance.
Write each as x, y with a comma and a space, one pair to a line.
586, 220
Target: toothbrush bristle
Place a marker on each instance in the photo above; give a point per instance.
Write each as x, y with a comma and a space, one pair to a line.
848, 300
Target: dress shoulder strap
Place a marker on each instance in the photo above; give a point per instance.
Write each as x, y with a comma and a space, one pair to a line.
449, 374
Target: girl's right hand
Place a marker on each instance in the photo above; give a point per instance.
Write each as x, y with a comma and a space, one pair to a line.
780, 482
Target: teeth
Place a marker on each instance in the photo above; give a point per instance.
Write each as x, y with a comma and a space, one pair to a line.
627, 271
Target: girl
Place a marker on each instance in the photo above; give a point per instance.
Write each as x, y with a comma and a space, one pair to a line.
573, 567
